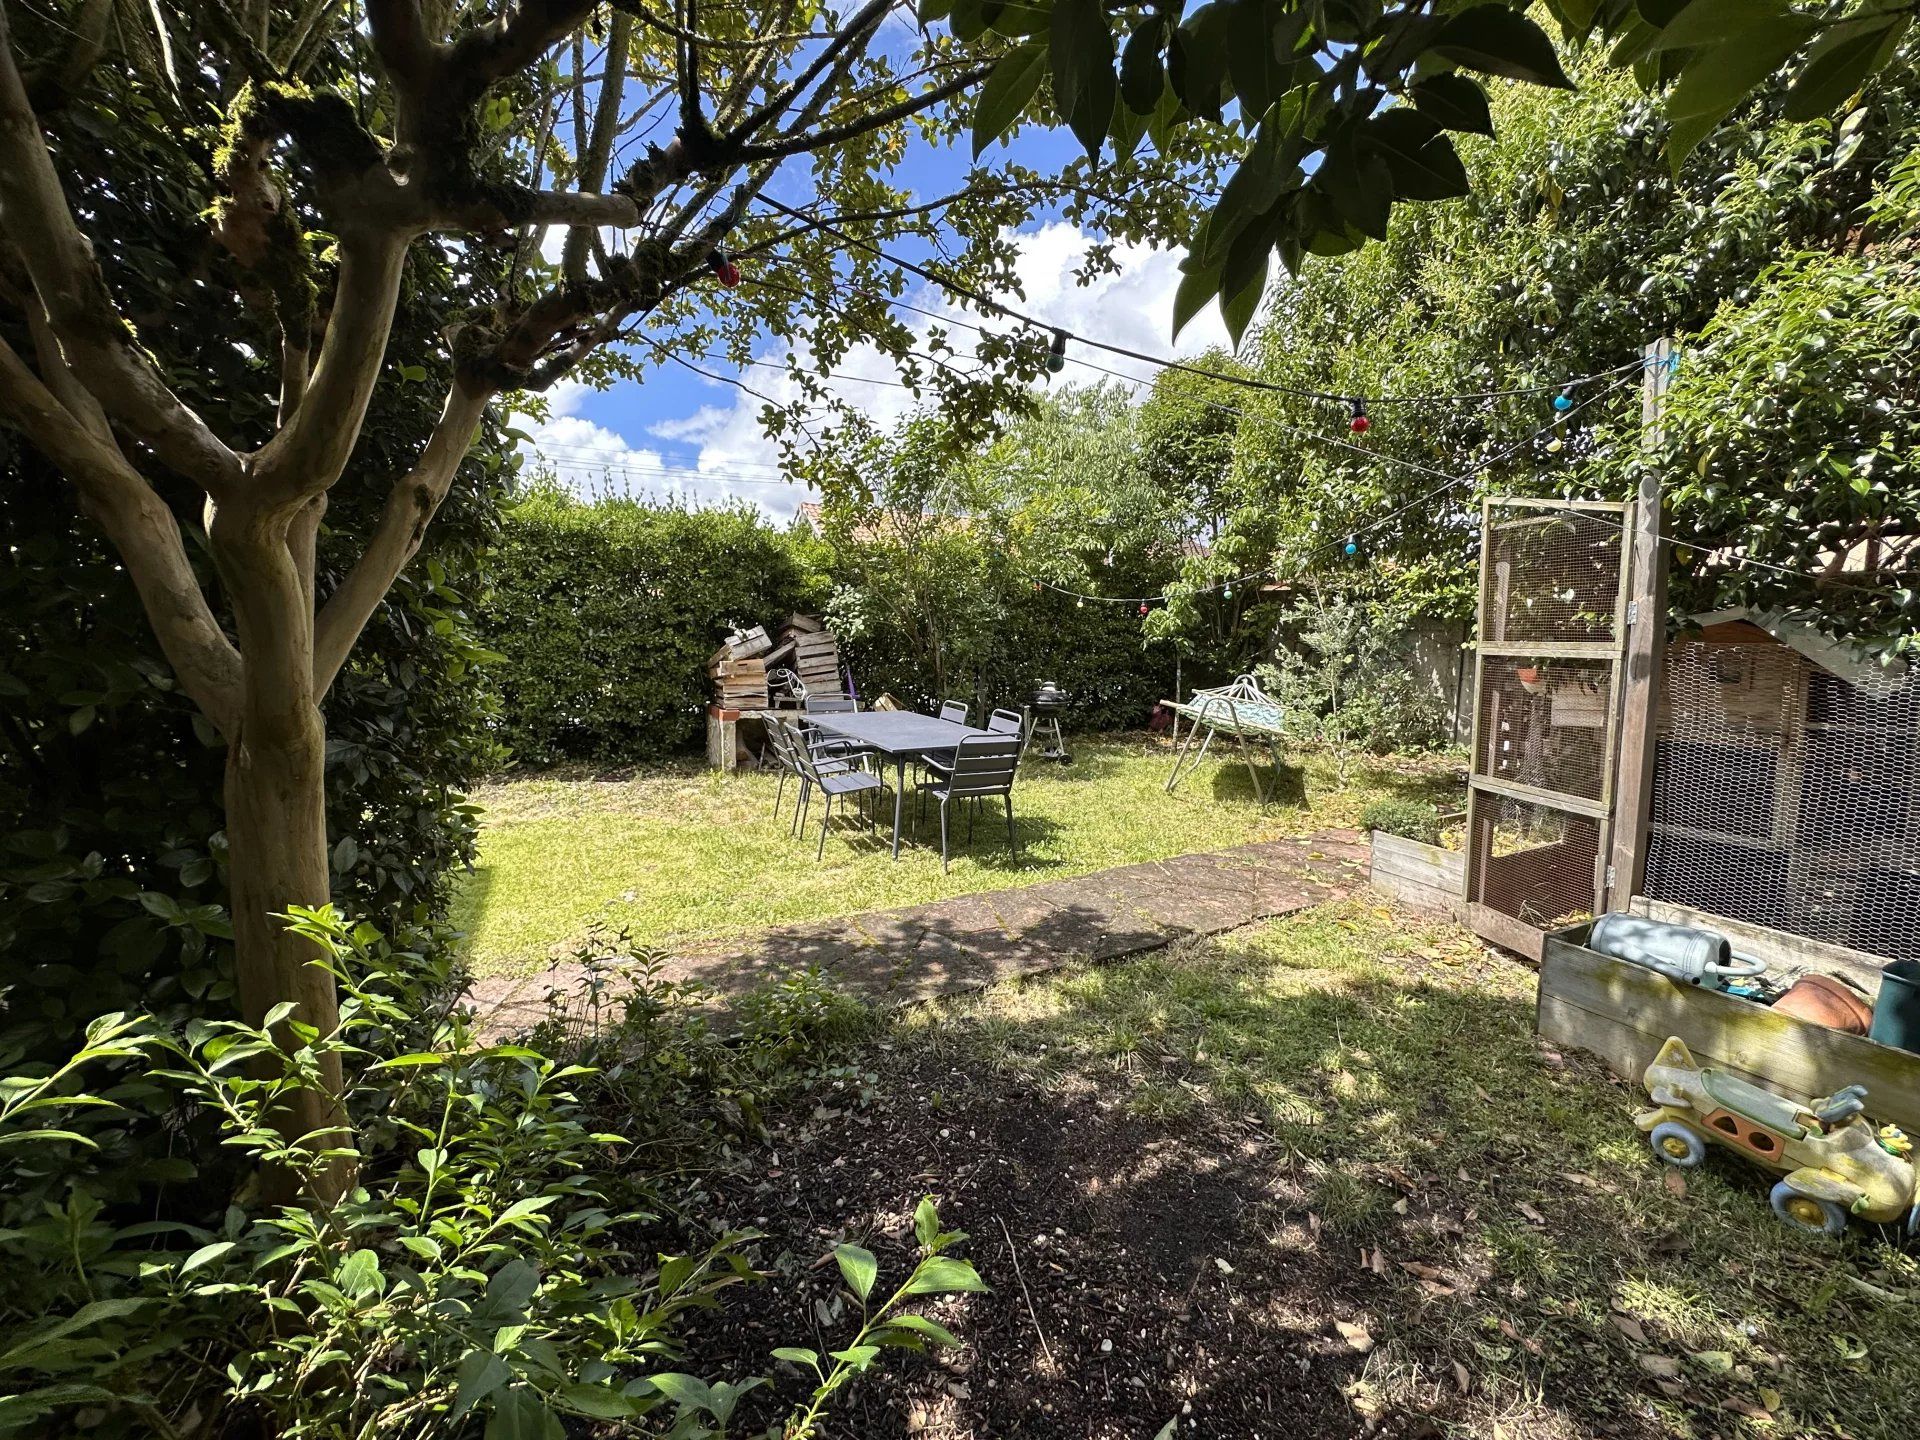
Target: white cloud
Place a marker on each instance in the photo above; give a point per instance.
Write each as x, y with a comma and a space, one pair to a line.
1132, 309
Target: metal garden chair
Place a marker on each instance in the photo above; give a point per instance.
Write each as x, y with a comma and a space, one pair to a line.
954, 710
981, 769
836, 780
1006, 722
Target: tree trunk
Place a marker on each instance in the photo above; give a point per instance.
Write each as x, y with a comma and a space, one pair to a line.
276, 858
276, 805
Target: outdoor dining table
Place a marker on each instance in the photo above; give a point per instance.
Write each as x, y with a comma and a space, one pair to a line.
899, 735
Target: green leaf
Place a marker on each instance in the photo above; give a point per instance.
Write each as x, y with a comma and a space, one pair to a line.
1453, 102
921, 1325
857, 1357
942, 1275
418, 1057
597, 1402
508, 1292
481, 1372
858, 1267
1707, 22
206, 1255
1141, 76
89, 1314
1239, 304
1498, 41
1717, 80
344, 854
1080, 51
1361, 186
932, 10
1840, 62
1007, 92
794, 1355
1197, 60
926, 1221
415, 373
1260, 56
682, 1389
521, 1414
358, 1276
1422, 161
1197, 287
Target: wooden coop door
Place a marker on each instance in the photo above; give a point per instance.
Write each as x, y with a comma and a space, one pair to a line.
1553, 601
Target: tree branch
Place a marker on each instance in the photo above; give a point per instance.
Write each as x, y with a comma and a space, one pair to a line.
411, 504
873, 120
144, 533
307, 454
100, 349
598, 151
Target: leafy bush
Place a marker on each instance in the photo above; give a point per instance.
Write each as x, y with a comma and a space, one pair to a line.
607, 614
1343, 678
1412, 819
485, 1273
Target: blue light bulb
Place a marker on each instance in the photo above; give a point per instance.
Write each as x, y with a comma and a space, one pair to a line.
1353, 548
1563, 402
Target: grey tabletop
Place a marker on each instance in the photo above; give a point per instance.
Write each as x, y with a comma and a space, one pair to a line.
898, 732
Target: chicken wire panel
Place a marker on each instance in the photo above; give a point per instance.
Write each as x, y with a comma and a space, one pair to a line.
1545, 724
1533, 862
1551, 576
1788, 796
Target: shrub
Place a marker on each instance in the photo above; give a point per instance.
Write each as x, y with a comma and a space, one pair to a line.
1412, 819
486, 1272
607, 614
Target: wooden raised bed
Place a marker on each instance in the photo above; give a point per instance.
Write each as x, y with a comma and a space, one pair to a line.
1623, 1013
1424, 876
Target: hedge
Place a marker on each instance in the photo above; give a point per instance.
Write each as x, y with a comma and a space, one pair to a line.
606, 614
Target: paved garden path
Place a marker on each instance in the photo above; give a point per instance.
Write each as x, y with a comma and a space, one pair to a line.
971, 941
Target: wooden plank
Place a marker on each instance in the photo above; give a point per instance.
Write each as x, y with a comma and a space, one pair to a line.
1414, 860
1515, 935
1646, 640
722, 742
1624, 1013
1776, 947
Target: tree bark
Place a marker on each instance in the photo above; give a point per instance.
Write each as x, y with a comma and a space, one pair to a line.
277, 857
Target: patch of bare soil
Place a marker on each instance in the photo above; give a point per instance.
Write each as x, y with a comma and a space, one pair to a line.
1142, 1273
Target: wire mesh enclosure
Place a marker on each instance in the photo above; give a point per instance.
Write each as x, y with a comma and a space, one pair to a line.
1787, 795
1552, 627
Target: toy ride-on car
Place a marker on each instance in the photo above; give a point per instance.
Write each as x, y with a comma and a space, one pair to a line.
1834, 1163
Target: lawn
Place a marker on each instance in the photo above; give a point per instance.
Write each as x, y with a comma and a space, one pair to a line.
1314, 1178
680, 853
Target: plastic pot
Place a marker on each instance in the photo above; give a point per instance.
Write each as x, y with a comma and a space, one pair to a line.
1896, 1012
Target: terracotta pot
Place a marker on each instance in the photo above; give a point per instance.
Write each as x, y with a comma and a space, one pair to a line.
1825, 1001
1528, 674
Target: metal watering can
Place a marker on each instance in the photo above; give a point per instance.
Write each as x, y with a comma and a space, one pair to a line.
1680, 952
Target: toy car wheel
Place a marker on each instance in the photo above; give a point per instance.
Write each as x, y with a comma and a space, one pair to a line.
1808, 1212
1677, 1145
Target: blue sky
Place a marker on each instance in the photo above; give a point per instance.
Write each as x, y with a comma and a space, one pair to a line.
677, 435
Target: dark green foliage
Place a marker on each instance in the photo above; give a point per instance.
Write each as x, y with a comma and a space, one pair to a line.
1321, 140
505, 1261
1413, 819
112, 885
607, 615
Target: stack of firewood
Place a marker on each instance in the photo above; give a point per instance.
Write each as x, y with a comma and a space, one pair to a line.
739, 670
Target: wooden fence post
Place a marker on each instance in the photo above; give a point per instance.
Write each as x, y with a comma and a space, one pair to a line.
1646, 645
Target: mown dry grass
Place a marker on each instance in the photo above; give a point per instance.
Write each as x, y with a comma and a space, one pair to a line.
681, 853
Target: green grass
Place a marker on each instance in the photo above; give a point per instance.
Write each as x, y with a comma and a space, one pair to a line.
1392, 1059
679, 854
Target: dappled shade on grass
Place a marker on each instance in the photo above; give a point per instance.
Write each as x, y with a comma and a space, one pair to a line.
1316, 1178
680, 853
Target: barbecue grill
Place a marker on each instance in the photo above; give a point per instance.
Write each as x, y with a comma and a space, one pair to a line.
1044, 709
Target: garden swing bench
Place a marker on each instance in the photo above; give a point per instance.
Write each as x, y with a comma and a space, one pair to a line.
1242, 710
